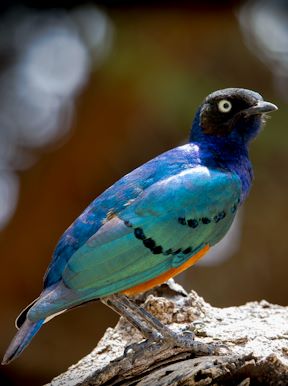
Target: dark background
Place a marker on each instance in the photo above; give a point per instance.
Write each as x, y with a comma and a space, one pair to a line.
133, 102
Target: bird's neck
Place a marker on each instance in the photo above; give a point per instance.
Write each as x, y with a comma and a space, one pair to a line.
229, 152
228, 155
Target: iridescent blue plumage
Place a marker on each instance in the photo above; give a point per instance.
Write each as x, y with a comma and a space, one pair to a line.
115, 199
158, 216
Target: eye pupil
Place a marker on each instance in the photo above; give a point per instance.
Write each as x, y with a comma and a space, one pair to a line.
224, 106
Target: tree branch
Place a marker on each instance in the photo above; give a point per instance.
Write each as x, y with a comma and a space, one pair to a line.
252, 339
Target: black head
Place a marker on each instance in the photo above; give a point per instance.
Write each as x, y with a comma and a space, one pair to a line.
233, 112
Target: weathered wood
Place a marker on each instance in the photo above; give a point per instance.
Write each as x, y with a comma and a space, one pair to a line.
252, 341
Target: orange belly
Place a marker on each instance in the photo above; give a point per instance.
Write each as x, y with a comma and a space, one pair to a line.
166, 275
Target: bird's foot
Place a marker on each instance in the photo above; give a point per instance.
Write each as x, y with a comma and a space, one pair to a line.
144, 349
135, 348
183, 339
186, 339
154, 338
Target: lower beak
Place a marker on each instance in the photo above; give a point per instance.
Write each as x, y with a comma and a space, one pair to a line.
260, 108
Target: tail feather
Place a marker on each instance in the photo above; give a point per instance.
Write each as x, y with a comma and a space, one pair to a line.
22, 316
21, 340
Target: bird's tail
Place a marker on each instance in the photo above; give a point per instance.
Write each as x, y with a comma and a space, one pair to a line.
21, 340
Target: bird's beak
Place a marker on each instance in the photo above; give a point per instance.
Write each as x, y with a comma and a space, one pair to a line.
261, 107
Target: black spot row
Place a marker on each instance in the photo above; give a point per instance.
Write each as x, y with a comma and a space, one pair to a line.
157, 250
182, 220
193, 223
139, 234
149, 243
178, 251
219, 216
235, 206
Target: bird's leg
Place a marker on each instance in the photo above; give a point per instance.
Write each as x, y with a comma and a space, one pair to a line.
152, 328
122, 308
152, 336
167, 334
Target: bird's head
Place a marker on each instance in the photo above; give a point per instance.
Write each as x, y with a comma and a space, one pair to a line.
231, 113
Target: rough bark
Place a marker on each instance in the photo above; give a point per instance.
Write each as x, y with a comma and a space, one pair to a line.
252, 341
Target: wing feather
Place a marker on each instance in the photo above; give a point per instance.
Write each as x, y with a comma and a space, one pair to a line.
114, 253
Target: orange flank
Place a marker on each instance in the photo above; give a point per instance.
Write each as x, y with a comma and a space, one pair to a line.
166, 275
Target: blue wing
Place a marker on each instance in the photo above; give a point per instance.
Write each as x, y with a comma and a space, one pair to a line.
113, 200
163, 226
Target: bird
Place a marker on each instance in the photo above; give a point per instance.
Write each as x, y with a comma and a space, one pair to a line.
154, 222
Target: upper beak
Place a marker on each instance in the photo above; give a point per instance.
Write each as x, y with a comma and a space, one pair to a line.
260, 108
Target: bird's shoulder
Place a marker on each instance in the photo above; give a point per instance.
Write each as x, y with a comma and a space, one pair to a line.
200, 188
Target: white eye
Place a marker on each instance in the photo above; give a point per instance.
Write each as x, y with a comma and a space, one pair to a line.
224, 106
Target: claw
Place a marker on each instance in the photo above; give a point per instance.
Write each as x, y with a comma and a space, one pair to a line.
220, 349
134, 348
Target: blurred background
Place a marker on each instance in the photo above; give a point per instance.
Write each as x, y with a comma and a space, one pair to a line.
89, 91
